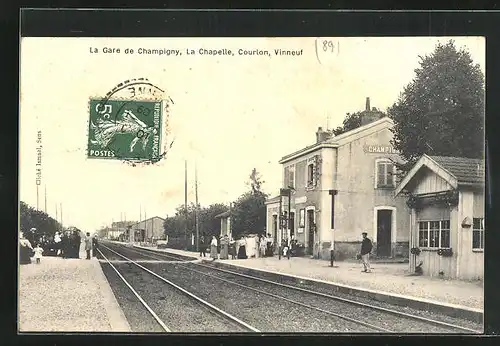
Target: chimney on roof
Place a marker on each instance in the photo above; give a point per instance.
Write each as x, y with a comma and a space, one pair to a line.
370, 115
321, 135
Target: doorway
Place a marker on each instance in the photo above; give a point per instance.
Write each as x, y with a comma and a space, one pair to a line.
384, 232
310, 230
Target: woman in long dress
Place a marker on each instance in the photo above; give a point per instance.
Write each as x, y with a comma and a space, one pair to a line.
24, 250
242, 251
213, 248
232, 248
263, 245
224, 247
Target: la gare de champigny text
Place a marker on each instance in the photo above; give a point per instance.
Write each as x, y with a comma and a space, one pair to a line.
198, 51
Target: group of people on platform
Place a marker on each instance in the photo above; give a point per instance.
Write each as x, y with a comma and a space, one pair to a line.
263, 246
63, 244
257, 246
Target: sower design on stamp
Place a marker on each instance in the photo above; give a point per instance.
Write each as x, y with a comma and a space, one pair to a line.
129, 122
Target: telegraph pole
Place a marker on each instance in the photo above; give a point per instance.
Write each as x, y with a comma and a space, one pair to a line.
185, 202
197, 206
45, 206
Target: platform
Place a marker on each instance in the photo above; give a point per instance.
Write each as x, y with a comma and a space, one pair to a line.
67, 295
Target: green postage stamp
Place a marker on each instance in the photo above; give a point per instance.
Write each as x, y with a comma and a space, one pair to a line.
125, 130
128, 123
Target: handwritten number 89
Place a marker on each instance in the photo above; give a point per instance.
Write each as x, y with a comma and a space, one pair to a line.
328, 45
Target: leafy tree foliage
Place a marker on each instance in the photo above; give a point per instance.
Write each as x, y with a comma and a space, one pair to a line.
249, 212
351, 121
441, 112
42, 223
255, 181
175, 226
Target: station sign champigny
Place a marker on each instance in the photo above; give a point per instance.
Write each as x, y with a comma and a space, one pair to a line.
380, 149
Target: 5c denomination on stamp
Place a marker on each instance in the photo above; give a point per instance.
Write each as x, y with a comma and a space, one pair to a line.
128, 124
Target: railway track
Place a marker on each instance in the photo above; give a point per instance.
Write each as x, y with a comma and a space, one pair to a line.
202, 306
409, 322
362, 313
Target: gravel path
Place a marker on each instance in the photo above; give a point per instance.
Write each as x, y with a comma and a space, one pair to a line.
383, 319
261, 311
179, 312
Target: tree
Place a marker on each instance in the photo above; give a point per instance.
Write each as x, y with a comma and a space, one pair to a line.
209, 224
176, 226
351, 121
441, 112
41, 222
249, 212
255, 181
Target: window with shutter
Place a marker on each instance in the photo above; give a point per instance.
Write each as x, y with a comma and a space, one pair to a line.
286, 177
310, 175
385, 172
291, 177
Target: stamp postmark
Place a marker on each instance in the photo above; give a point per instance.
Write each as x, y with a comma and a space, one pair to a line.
129, 123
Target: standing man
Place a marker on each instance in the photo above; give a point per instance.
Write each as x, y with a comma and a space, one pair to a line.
94, 245
332, 254
88, 245
366, 248
202, 245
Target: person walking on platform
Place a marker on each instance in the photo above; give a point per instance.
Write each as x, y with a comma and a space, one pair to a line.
88, 245
366, 248
202, 245
213, 248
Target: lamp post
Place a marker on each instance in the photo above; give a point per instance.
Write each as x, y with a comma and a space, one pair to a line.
287, 192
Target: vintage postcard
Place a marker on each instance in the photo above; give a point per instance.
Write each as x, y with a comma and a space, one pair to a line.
239, 185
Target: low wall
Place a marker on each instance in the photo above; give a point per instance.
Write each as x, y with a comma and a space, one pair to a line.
349, 250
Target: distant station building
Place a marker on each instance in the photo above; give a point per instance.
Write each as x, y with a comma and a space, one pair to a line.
118, 230
147, 230
225, 223
342, 186
446, 196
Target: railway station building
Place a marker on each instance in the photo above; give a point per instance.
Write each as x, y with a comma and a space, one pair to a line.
446, 196
147, 230
342, 186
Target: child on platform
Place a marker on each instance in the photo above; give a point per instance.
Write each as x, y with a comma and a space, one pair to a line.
38, 253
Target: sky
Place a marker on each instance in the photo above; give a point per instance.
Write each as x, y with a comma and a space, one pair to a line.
230, 114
